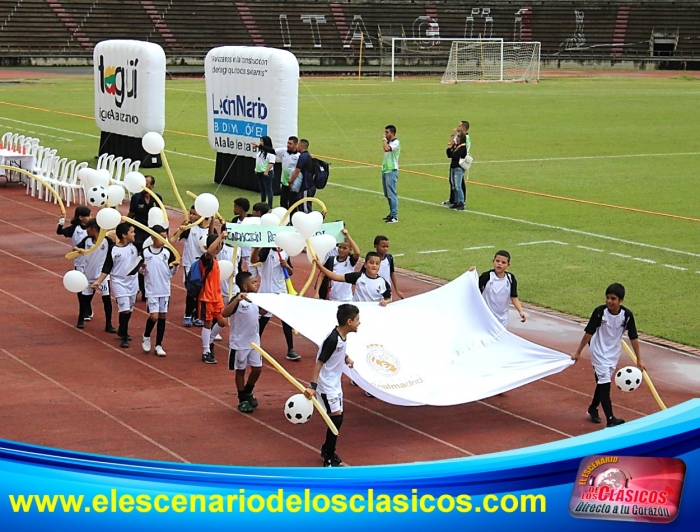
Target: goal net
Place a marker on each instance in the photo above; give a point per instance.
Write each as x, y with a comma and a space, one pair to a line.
493, 61
419, 56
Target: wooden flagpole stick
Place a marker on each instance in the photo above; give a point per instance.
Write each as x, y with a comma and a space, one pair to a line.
172, 183
646, 377
299, 386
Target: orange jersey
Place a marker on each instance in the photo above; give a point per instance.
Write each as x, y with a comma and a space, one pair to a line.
211, 291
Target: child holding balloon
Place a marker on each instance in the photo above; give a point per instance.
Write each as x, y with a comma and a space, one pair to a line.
190, 253
76, 231
92, 267
211, 304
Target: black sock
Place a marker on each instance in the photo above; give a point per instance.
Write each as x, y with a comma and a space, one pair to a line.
149, 328
160, 331
264, 320
288, 336
190, 306
248, 389
124, 324
331, 439
242, 397
603, 392
82, 307
107, 304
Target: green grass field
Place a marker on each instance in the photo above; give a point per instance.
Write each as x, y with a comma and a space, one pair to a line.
627, 142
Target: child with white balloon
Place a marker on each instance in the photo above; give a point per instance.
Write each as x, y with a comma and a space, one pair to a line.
190, 253
245, 328
122, 263
341, 262
325, 377
76, 231
92, 268
211, 304
157, 272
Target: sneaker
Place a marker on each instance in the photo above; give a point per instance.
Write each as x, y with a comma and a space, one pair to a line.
198, 323
459, 207
369, 394
447, 202
159, 351
614, 421
217, 338
335, 460
110, 329
187, 321
211, 350
252, 400
146, 344
593, 414
245, 407
353, 383
125, 342
392, 220
80, 324
292, 355
208, 358
331, 463
386, 217
89, 317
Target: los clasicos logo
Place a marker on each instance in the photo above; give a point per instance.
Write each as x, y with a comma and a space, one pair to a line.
628, 488
119, 81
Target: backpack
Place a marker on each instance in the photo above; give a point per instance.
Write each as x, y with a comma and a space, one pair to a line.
195, 280
321, 171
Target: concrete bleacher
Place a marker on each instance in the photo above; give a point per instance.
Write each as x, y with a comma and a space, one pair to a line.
318, 31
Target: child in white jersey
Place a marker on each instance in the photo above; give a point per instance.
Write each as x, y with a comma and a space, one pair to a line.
76, 231
499, 288
272, 281
325, 377
92, 268
190, 253
603, 334
386, 267
341, 263
369, 285
158, 268
122, 264
245, 328
241, 206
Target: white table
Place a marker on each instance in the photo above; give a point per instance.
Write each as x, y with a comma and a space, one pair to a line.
11, 158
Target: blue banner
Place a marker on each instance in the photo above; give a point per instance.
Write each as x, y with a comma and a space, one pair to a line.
523, 489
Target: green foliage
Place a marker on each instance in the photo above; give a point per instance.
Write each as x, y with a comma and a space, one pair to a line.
606, 140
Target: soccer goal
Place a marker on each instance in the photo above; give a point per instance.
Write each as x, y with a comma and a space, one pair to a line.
493, 61
419, 56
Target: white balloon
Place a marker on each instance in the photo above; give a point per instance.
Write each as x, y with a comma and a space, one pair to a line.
155, 217
134, 182
225, 269
291, 242
75, 281
206, 205
251, 220
108, 218
153, 142
321, 245
101, 178
85, 176
269, 219
148, 242
307, 223
115, 193
279, 212
96, 196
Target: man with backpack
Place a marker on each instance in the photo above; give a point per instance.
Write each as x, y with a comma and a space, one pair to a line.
301, 182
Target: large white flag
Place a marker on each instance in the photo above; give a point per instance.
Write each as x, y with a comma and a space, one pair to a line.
440, 348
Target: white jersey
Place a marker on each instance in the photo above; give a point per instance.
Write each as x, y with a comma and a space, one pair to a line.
272, 279
92, 266
122, 263
158, 272
368, 289
289, 163
226, 253
607, 330
245, 326
78, 236
191, 251
386, 267
340, 291
332, 354
497, 293
262, 160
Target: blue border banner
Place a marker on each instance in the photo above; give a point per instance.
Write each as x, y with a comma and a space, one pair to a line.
523, 489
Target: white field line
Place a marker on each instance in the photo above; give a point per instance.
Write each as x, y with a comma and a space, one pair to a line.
648, 261
591, 249
433, 251
543, 242
676, 267
621, 255
479, 247
42, 134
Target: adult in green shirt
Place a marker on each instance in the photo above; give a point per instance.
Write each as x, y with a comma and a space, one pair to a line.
390, 172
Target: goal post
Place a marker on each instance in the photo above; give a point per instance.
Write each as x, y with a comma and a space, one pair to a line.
420, 56
485, 61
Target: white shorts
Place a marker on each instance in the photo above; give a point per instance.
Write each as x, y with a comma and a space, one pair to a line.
158, 304
604, 373
126, 303
104, 287
331, 402
242, 358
